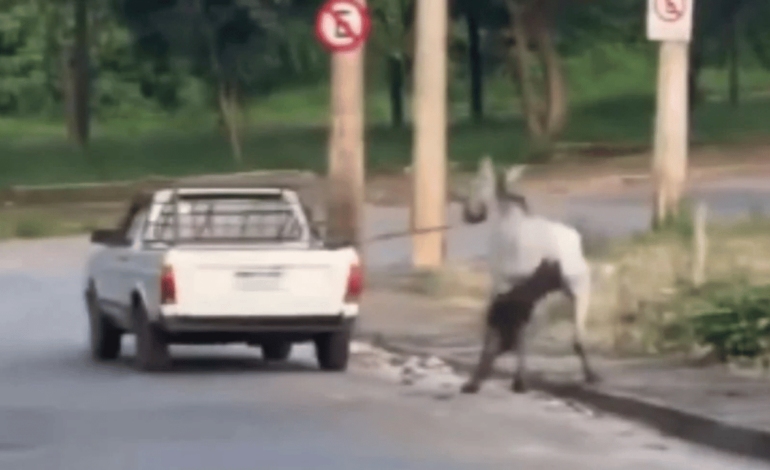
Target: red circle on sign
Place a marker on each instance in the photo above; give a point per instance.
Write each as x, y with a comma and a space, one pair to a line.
328, 8
670, 11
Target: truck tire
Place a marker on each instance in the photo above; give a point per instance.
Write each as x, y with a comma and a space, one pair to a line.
105, 337
276, 350
151, 347
333, 350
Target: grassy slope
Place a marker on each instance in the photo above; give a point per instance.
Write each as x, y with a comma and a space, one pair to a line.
611, 96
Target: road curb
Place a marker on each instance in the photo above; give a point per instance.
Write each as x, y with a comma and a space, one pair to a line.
115, 191
551, 180
692, 427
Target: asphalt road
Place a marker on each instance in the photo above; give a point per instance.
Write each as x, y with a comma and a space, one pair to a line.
614, 216
222, 408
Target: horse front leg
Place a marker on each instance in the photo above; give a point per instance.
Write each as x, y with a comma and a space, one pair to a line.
489, 352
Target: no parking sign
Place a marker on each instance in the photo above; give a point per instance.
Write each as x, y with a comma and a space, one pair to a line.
669, 20
342, 25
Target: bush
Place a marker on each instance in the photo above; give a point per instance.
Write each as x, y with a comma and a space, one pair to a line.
736, 322
28, 227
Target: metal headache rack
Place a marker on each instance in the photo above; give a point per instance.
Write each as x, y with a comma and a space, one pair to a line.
223, 218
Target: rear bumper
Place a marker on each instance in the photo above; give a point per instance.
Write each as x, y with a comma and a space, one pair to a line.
308, 324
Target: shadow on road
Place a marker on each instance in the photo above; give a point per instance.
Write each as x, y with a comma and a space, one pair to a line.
78, 362
201, 363
234, 364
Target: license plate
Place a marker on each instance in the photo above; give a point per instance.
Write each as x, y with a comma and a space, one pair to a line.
258, 280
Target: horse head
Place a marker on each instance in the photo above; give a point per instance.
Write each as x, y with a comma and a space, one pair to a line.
490, 189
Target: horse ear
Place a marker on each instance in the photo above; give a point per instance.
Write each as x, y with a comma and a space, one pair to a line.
486, 167
513, 174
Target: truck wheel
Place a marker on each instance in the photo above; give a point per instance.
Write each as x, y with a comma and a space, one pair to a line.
333, 350
105, 337
151, 346
276, 350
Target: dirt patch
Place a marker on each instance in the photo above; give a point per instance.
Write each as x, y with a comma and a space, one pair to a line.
576, 173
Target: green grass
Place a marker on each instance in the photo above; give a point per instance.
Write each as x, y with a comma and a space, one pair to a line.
55, 220
611, 96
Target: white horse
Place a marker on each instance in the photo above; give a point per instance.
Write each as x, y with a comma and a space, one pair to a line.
529, 256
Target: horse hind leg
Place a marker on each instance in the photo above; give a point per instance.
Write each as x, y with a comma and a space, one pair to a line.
580, 295
489, 352
519, 384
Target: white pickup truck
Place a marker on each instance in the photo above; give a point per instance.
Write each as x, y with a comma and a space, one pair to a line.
213, 266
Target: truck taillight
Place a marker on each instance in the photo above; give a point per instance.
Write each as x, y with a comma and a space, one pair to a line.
167, 286
355, 284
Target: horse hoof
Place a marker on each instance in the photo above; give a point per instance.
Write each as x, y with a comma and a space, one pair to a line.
592, 378
470, 388
519, 386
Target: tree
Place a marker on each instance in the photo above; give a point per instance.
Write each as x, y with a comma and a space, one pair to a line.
228, 43
394, 19
757, 35
79, 114
23, 58
475, 66
733, 65
474, 13
715, 26
543, 96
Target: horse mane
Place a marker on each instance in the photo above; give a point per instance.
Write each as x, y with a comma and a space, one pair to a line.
504, 195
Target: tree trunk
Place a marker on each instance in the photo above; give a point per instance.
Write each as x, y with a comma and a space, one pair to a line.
523, 67
229, 110
227, 96
475, 68
80, 78
68, 92
733, 61
545, 112
556, 86
396, 76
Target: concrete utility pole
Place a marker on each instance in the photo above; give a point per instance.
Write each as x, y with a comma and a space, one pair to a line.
429, 155
670, 22
346, 147
671, 131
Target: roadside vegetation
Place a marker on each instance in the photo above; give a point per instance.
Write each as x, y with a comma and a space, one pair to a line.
184, 87
284, 132
644, 300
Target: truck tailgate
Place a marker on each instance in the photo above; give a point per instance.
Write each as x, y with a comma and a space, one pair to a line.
220, 282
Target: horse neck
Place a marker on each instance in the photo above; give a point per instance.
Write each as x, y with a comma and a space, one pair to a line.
505, 232
508, 217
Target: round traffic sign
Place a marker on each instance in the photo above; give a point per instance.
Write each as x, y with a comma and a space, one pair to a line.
342, 25
670, 10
